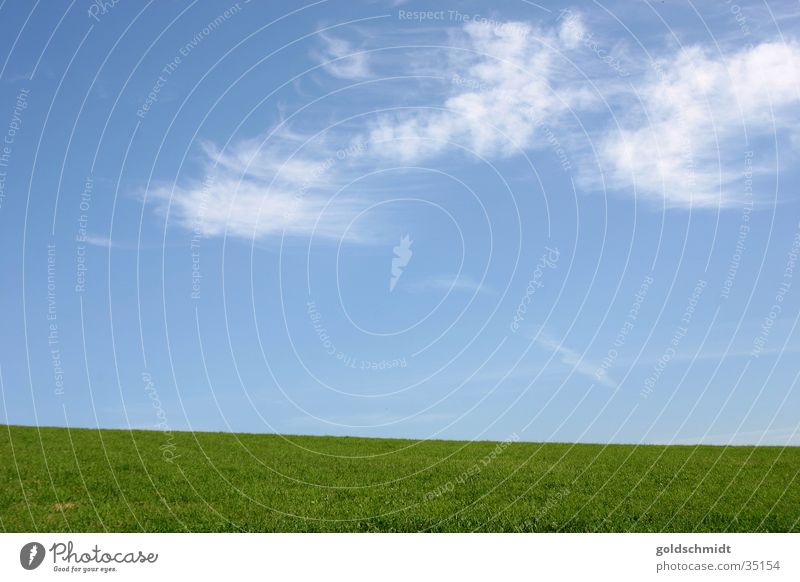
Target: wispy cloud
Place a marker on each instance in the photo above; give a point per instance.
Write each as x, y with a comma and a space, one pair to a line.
444, 283
98, 241
577, 361
341, 59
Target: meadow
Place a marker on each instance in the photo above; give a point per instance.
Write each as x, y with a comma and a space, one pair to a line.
79, 480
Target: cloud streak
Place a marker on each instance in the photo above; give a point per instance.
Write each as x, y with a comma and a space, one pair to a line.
574, 359
447, 283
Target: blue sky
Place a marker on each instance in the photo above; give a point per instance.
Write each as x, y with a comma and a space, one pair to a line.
565, 223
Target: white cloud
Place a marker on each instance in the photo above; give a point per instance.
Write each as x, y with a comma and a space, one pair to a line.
680, 141
687, 142
257, 188
250, 209
572, 30
500, 95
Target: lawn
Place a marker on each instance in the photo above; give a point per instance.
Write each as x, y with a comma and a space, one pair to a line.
56, 479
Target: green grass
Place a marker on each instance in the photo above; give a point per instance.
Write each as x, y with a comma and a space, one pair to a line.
55, 479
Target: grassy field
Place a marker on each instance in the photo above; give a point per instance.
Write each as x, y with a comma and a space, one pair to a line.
55, 479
